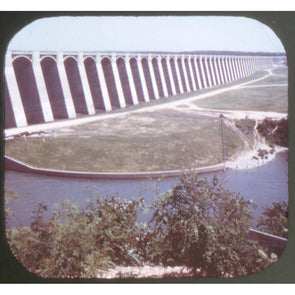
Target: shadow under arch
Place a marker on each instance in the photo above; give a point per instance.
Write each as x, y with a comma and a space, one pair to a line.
54, 88
25, 78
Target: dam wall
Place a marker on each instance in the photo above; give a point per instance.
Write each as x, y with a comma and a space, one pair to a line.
43, 87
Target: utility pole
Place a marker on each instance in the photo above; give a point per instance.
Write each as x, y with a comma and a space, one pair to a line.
222, 135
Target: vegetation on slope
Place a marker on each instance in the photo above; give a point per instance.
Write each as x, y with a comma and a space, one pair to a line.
198, 224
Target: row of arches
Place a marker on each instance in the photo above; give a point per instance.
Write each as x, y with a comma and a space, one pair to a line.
52, 87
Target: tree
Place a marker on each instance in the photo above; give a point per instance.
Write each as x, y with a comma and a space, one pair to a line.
76, 242
274, 221
203, 225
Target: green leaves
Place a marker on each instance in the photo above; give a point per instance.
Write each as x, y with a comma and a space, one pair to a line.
198, 224
77, 242
203, 225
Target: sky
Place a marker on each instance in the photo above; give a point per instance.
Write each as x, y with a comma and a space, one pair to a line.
163, 33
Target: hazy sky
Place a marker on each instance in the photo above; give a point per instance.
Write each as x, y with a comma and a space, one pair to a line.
164, 33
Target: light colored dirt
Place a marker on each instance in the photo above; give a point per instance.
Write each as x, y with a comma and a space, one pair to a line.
145, 272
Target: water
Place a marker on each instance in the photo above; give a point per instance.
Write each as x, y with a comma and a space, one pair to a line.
263, 185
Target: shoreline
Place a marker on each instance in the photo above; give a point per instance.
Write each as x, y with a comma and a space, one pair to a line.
244, 161
250, 159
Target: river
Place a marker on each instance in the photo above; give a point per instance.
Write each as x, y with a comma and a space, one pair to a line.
263, 185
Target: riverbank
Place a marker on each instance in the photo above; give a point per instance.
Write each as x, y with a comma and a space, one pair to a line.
251, 159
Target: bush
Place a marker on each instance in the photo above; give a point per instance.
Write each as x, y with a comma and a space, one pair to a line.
198, 224
274, 221
275, 132
202, 225
77, 242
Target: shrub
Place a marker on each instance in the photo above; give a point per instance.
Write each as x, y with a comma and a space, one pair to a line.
198, 224
275, 132
202, 225
274, 221
77, 242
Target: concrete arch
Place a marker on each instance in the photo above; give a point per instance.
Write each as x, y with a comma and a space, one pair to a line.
21, 56
48, 56
158, 76
105, 57
136, 78
110, 81
188, 73
208, 71
224, 69
174, 74
194, 70
202, 72
25, 78
121, 56
54, 88
120, 62
94, 83
65, 57
212, 70
164, 64
75, 84
215, 68
89, 57
181, 72
46, 86
148, 79
231, 74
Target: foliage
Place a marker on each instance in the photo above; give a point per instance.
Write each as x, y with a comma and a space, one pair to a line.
8, 196
275, 132
203, 225
198, 224
77, 242
274, 221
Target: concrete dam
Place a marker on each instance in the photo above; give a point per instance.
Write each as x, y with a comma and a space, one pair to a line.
43, 87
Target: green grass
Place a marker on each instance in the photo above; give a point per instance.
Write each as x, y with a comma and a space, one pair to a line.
184, 95
150, 141
272, 99
280, 77
138, 142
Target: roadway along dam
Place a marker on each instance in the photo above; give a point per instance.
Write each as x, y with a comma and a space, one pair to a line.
43, 87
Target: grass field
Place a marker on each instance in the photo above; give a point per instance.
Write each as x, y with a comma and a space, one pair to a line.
280, 77
152, 141
270, 98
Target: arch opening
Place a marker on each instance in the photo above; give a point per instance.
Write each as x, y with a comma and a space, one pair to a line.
110, 81
174, 75
94, 83
166, 76
188, 73
75, 84
124, 81
148, 78
179, 62
54, 88
158, 77
28, 90
136, 79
